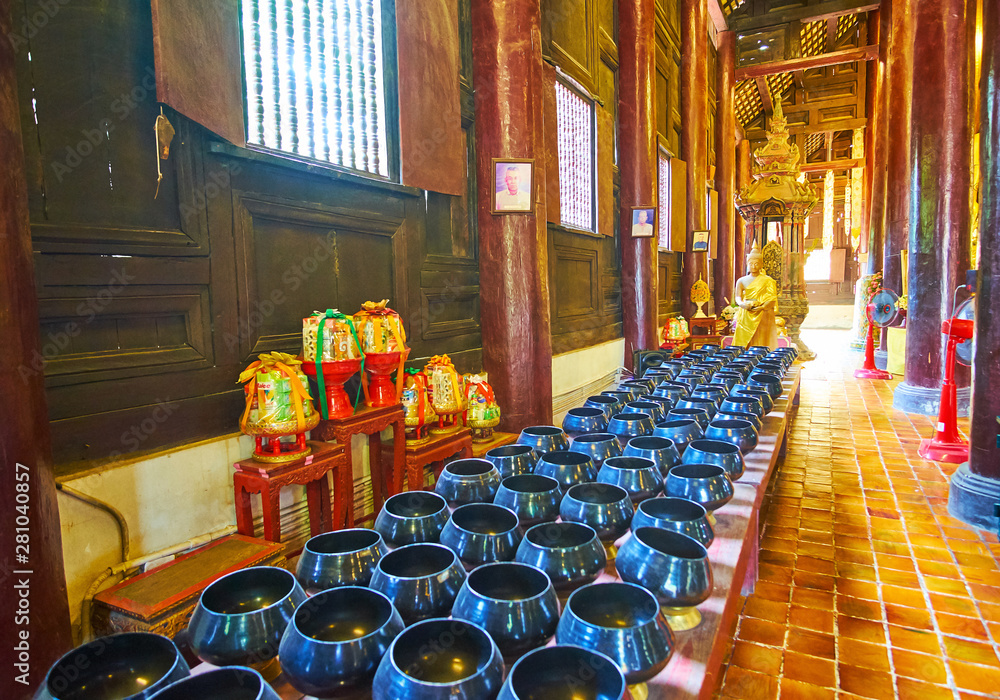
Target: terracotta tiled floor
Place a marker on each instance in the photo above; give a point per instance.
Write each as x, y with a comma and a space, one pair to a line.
868, 589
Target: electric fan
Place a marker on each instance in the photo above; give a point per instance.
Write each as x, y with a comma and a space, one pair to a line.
947, 445
881, 311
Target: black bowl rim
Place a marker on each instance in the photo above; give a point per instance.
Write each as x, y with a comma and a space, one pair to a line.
537, 430
650, 437
590, 412
528, 537
473, 629
483, 570
643, 533
419, 494
519, 450
587, 590
575, 647
726, 447
714, 467
594, 437
498, 509
407, 548
244, 572
484, 466
616, 463
335, 533
599, 485
578, 458
555, 483
294, 622
238, 671
160, 639
702, 511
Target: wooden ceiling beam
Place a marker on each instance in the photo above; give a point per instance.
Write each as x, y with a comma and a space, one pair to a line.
831, 33
717, 16
757, 70
841, 125
809, 13
765, 95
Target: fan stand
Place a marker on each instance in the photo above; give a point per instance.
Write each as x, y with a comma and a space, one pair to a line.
870, 371
947, 445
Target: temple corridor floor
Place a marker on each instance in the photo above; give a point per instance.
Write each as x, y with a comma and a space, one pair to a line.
867, 588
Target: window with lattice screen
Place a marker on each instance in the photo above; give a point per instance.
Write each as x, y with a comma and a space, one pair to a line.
663, 198
575, 118
315, 85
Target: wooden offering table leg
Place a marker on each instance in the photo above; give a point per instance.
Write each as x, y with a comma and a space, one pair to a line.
314, 500
399, 457
377, 471
271, 506
244, 512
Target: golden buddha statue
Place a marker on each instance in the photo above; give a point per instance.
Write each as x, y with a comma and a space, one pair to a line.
756, 294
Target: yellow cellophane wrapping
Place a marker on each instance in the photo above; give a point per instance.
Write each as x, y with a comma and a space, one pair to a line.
444, 385
338, 341
379, 328
277, 397
417, 402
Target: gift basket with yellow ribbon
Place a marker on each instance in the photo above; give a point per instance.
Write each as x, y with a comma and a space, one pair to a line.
331, 354
417, 408
446, 393
277, 406
482, 413
383, 342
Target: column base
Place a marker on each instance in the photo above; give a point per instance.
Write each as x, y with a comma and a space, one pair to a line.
926, 400
881, 359
973, 498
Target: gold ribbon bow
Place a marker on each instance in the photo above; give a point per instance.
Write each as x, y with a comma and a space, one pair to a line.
284, 363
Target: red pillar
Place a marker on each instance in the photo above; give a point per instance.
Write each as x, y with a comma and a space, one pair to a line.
513, 259
27, 489
899, 78
725, 165
875, 137
638, 167
694, 137
939, 176
975, 486
743, 179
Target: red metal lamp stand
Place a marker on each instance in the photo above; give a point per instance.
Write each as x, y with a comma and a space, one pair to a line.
947, 445
870, 371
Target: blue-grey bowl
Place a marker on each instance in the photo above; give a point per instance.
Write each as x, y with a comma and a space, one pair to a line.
412, 516
584, 419
665, 403
340, 558
231, 683
421, 580
511, 460
664, 370
697, 414
640, 477
681, 430
534, 498
130, 665
570, 554
568, 468
675, 389
739, 369
707, 405
623, 394
726, 379
703, 374
761, 394
644, 386
692, 381
738, 403
677, 515
336, 639
609, 405
438, 659
622, 621
239, 618
750, 418
480, 533
630, 424
764, 380
515, 603
652, 409
715, 392
468, 481
707, 484
740, 433
661, 450
777, 368
604, 507
725, 454
564, 672
671, 566
543, 438
597, 446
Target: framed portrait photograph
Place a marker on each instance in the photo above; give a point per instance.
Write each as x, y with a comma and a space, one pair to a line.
513, 183
700, 241
643, 222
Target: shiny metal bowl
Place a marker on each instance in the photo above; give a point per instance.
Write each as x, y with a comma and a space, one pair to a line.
767, 381
715, 392
622, 621
570, 554
726, 379
413, 516
707, 405
239, 618
697, 414
480, 533
232, 683
740, 433
609, 405
671, 566
761, 394
776, 368
677, 515
336, 640
130, 665
750, 418
623, 394
468, 481
604, 507
564, 672
644, 385
515, 603
341, 558
629, 424
674, 390
681, 430
664, 370
640, 477
661, 450
585, 419
653, 409
439, 659
543, 438
725, 454
597, 446
707, 484
533, 497
512, 460
743, 404
421, 580
568, 468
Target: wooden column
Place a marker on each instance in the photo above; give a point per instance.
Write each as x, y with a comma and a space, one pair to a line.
939, 219
725, 165
975, 486
694, 137
638, 167
35, 586
875, 148
513, 259
743, 179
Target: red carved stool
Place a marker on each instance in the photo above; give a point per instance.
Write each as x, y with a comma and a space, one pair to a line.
434, 451
310, 471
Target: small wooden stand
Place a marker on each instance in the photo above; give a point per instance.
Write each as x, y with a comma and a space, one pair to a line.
434, 452
268, 478
370, 421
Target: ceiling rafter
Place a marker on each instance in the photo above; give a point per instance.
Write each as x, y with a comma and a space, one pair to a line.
865, 53
743, 21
